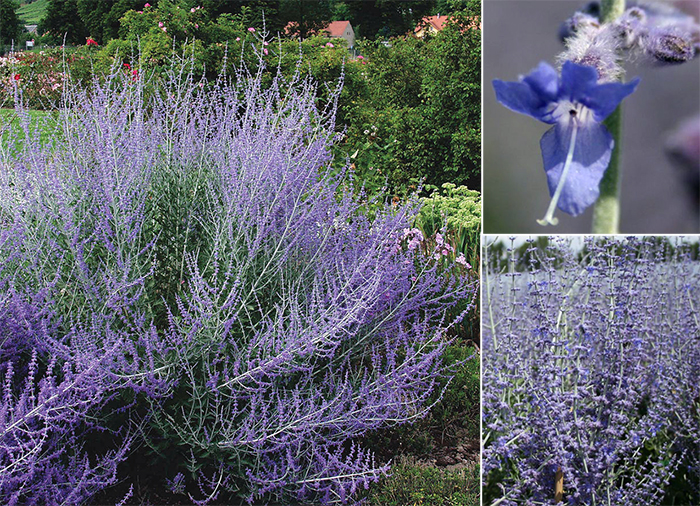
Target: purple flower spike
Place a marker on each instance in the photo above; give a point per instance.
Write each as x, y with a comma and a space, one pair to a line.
577, 150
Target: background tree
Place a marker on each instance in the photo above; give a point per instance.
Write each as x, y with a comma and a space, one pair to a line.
386, 18
62, 19
10, 24
254, 11
420, 120
101, 17
308, 16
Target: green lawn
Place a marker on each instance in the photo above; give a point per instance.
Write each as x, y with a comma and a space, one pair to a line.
10, 123
31, 13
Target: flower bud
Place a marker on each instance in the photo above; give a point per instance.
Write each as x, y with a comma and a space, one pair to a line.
576, 23
630, 27
669, 45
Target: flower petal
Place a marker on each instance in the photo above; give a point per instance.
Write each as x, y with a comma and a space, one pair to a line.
520, 97
544, 81
576, 80
591, 157
604, 98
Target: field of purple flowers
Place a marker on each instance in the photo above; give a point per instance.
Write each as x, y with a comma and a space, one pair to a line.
591, 365
190, 290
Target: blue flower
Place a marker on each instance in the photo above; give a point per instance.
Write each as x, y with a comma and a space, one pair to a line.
577, 150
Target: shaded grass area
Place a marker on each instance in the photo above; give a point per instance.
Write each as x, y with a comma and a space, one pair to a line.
31, 13
413, 484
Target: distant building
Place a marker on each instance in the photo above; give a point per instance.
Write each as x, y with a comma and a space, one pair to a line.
30, 28
341, 30
430, 25
335, 30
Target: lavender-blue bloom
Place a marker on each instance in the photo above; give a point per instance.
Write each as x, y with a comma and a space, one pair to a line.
184, 264
591, 359
577, 150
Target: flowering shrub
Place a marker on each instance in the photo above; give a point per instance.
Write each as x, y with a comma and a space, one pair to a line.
76, 340
184, 265
40, 77
591, 360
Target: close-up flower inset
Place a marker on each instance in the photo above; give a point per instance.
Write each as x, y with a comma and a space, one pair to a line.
614, 160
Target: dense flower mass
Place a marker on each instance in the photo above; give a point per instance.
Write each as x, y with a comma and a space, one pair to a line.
185, 266
577, 150
590, 370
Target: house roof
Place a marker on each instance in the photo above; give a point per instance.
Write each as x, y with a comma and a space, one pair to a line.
437, 22
336, 28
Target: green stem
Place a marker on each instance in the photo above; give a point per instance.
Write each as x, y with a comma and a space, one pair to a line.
606, 215
610, 10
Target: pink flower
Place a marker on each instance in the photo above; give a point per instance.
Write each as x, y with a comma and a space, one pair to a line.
139, 12
265, 43
238, 39
329, 44
251, 29
164, 29
265, 51
192, 10
146, 5
91, 42
196, 26
463, 261
160, 24
360, 57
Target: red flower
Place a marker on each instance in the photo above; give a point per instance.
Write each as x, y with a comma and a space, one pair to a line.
91, 42
127, 66
17, 76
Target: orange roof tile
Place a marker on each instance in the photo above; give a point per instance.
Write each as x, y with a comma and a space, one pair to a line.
336, 28
437, 22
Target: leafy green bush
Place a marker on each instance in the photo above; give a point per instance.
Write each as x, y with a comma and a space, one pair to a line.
420, 120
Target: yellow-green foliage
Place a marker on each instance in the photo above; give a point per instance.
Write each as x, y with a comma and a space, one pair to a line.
458, 210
